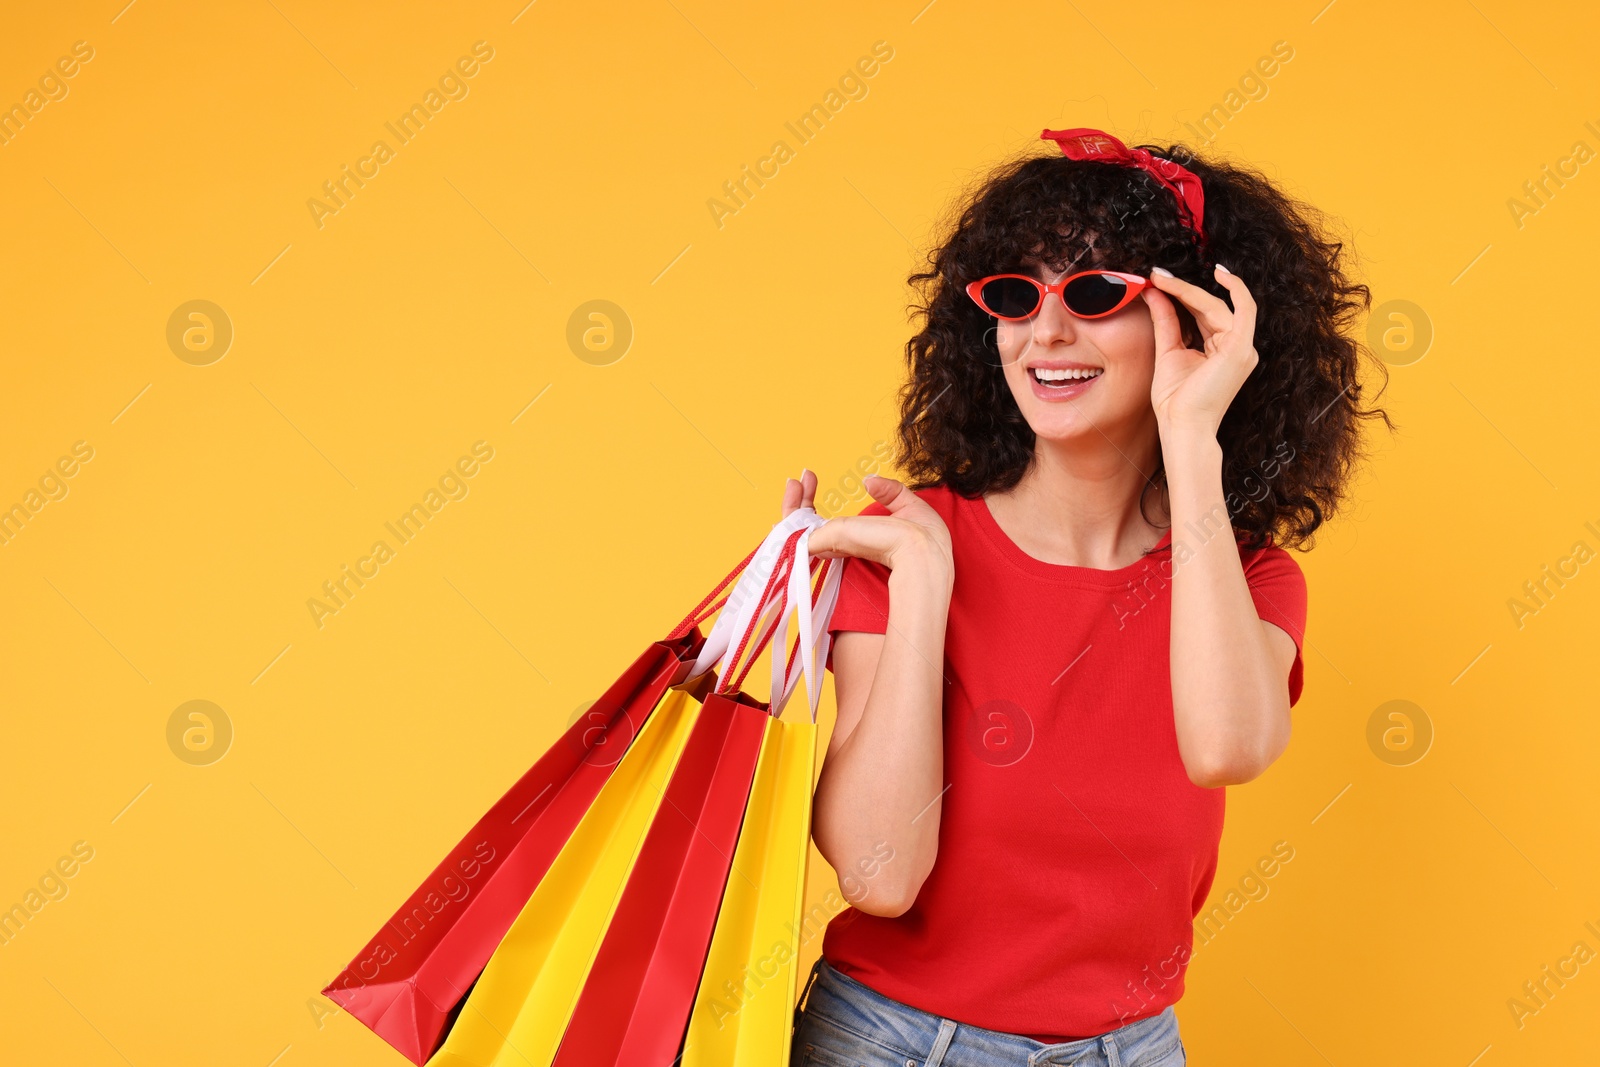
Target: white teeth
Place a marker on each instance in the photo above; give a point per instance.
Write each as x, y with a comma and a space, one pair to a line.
1047, 375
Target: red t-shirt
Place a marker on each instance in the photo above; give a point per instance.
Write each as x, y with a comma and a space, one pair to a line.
1074, 852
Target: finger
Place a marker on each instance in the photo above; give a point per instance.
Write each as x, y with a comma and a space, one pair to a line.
1164, 316
808, 488
791, 496
1210, 312
871, 537
1244, 305
890, 492
903, 502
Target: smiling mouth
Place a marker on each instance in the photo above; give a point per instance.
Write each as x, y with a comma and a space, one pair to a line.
1061, 379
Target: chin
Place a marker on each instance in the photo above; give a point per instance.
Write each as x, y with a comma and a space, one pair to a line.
1061, 431
1080, 420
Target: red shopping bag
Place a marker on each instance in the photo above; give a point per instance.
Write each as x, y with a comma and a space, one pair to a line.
636, 1000
409, 981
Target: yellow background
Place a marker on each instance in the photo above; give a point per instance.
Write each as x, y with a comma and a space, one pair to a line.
432, 311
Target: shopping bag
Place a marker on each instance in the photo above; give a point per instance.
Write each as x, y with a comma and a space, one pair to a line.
408, 983
518, 1010
602, 964
636, 999
744, 1007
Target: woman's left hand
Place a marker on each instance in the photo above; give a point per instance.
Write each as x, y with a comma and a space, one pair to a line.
1192, 390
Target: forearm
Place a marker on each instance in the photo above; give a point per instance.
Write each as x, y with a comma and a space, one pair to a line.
879, 792
1231, 709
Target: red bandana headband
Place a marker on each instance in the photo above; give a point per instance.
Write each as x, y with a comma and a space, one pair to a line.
1101, 146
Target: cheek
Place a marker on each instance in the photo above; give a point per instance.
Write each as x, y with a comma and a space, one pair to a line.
1011, 338
1130, 343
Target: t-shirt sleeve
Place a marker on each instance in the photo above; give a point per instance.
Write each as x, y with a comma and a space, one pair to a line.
1278, 587
863, 594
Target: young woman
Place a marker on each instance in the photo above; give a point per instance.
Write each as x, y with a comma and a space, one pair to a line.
1135, 383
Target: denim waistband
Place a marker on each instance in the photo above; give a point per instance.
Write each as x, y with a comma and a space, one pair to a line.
920, 1037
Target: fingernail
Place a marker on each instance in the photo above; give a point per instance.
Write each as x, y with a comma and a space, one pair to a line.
804, 471
1164, 272
1223, 269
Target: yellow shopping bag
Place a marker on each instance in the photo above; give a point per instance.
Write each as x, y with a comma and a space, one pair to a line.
744, 1010
518, 1010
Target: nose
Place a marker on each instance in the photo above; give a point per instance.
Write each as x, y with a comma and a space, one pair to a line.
1053, 322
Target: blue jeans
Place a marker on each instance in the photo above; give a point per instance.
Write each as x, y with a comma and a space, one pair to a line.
843, 1023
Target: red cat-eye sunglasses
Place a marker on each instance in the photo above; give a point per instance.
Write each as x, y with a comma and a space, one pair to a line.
1090, 294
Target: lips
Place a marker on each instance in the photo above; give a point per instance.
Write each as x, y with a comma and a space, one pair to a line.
1063, 376
1064, 382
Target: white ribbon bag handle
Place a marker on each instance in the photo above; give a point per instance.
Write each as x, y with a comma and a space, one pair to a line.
745, 607
814, 636
744, 603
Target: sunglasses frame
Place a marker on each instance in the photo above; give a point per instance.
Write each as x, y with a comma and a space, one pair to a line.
1136, 285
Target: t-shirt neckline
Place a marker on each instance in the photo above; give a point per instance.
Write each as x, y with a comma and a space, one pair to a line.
1059, 571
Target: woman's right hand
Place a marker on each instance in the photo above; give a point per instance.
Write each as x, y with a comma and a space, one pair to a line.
880, 783
911, 531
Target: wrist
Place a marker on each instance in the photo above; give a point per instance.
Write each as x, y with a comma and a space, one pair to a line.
1188, 443
923, 568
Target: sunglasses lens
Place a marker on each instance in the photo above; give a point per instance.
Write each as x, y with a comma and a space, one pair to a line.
1095, 294
1010, 298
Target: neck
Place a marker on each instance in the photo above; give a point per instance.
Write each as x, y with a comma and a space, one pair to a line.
1079, 502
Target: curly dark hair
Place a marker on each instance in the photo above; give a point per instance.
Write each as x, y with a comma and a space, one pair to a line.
1290, 439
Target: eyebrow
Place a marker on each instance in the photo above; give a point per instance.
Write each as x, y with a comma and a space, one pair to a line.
1076, 267
1089, 259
